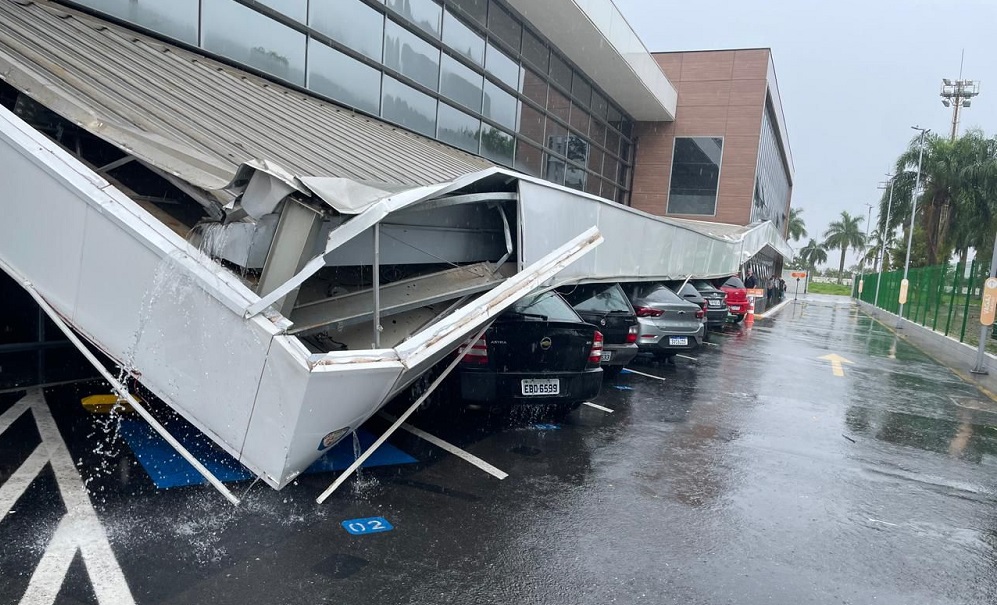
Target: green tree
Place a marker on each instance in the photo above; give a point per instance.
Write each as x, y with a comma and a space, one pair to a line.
813, 254
797, 228
842, 235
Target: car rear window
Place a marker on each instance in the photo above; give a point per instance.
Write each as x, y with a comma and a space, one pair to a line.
702, 285
599, 298
734, 282
545, 305
660, 294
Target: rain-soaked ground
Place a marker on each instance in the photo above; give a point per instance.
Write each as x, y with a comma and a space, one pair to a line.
751, 474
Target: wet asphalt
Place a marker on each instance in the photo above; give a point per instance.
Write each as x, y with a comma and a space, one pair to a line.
750, 474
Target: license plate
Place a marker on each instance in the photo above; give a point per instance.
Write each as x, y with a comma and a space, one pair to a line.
676, 341
606, 356
713, 303
541, 386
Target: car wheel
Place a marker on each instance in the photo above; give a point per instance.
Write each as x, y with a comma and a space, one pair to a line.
738, 318
558, 411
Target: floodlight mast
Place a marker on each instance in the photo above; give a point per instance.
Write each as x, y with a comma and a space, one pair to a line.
958, 94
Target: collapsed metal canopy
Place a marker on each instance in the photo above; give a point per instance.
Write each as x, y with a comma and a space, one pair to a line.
196, 118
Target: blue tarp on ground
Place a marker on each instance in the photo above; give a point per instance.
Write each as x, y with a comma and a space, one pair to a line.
168, 469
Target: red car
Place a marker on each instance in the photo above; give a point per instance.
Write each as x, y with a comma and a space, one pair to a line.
737, 297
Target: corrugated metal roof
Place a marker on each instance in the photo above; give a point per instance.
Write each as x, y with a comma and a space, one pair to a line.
195, 117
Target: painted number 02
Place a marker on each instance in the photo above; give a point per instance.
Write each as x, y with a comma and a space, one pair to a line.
369, 525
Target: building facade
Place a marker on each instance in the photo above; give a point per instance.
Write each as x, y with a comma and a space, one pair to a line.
726, 156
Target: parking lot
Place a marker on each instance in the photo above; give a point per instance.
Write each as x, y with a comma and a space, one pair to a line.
750, 471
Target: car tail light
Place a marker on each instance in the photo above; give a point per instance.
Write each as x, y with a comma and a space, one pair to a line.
632, 334
595, 355
477, 353
648, 312
700, 314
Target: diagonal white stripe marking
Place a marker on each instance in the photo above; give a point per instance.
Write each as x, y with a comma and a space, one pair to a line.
453, 449
687, 357
48, 577
87, 533
18, 483
12, 414
597, 406
643, 374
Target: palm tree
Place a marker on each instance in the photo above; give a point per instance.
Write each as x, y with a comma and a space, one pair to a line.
797, 228
842, 235
813, 254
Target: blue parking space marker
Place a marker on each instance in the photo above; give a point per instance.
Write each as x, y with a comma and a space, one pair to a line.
543, 426
622, 387
167, 469
367, 525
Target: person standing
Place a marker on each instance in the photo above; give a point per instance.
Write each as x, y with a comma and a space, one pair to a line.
749, 280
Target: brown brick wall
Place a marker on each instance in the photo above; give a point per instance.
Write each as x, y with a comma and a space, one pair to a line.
720, 93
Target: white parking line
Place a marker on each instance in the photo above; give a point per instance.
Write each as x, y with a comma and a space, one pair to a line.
80, 530
597, 406
453, 449
643, 374
687, 357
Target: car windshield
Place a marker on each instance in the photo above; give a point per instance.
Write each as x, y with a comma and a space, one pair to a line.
597, 298
734, 282
545, 305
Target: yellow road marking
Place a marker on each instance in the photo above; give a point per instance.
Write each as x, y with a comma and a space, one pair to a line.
836, 361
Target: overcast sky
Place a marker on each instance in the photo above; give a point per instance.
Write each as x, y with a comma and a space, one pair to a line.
854, 77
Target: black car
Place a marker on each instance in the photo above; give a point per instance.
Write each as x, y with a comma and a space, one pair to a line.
606, 307
716, 302
539, 351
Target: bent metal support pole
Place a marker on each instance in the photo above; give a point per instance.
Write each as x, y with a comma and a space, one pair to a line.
399, 422
122, 392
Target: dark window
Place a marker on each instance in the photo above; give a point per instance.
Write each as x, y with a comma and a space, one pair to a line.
273, 48
497, 146
504, 26
499, 106
556, 137
560, 72
407, 106
362, 32
501, 66
425, 14
599, 298
177, 19
536, 52
534, 87
343, 78
579, 119
574, 177
657, 293
460, 83
476, 9
581, 90
599, 106
695, 175
531, 123
548, 304
612, 142
578, 149
410, 55
592, 185
529, 159
462, 38
558, 104
554, 170
597, 132
458, 129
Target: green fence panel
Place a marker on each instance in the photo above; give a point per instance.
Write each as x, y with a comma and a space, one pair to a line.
960, 268
965, 307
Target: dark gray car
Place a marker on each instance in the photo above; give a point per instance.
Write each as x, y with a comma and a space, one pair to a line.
668, 324
716, 302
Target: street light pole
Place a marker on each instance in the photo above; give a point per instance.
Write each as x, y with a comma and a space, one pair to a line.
882, 256
913, 214
862, 253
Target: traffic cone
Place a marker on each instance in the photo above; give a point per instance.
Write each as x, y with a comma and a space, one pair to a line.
750, 318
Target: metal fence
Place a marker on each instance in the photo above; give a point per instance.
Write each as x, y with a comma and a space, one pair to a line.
945, 298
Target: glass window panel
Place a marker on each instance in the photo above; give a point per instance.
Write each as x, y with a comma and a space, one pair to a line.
295, 9
425, 14
695, 175
612, 142
625, 151
593, 184
410, 55
626, 128
531, 123
556, 137
535, 51
529, 159
610, 167
622, 197
496, 145
575, 177
407, 106
614, 117
534, 87
596, 157
458, 129
274, 48
462, 38
581, 90
599, 106
560, 72
501, 66
505, 27
578, 150
597, 132
608, 190
579, 119
343, 78
351, 23
554, 170
499, 106
476, 9
177, 19
558, 104
461, 83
